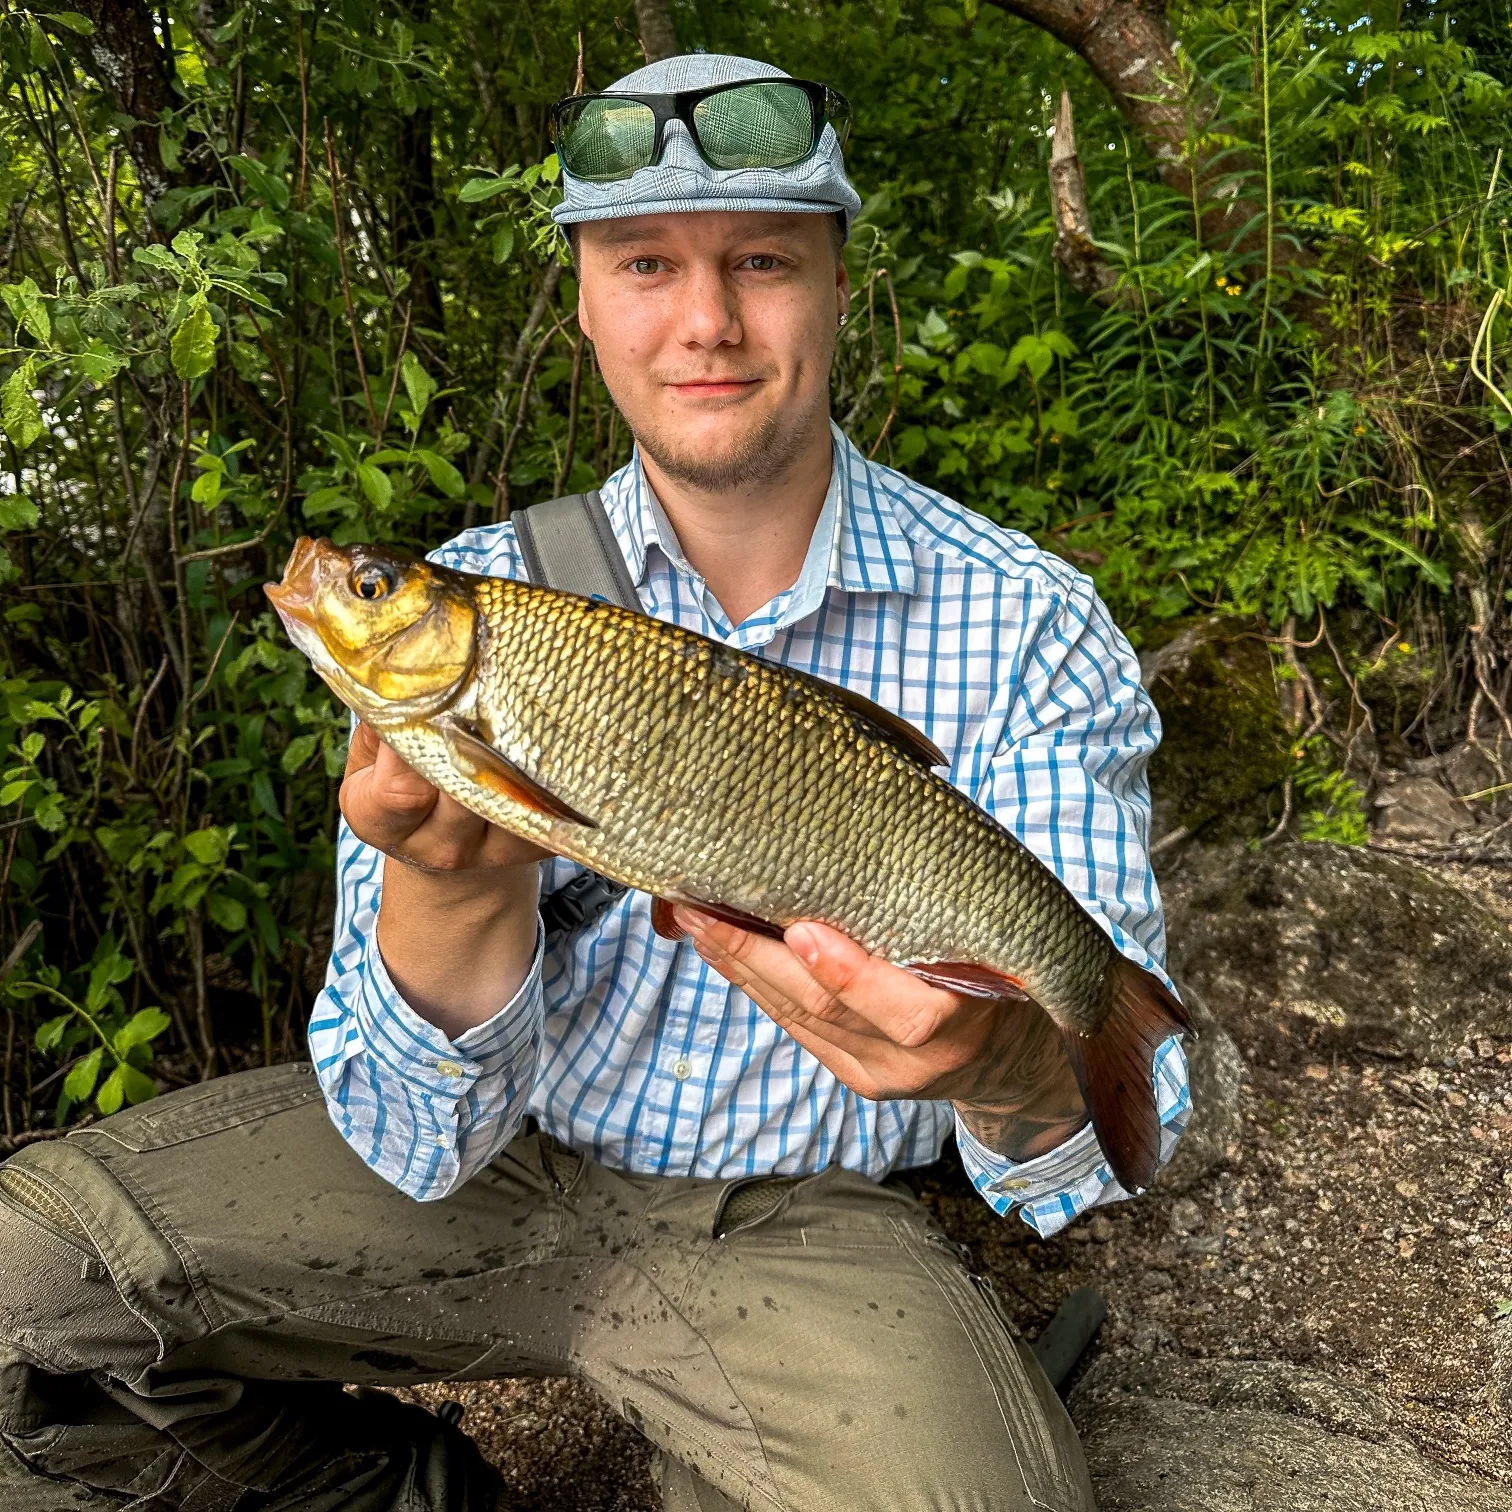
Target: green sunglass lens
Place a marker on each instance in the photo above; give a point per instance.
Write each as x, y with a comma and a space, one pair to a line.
608, 139
756, 126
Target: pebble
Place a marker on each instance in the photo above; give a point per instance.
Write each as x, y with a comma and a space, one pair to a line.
1156, 1281
1485, 1048
1428, 1079
1186, 1216
1102, 1229
1464, 1054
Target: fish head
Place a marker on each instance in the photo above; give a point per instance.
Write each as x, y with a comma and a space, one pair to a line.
394, 637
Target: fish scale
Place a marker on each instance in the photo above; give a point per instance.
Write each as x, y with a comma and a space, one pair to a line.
711, 776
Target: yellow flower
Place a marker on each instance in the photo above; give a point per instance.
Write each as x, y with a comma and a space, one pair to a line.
1232, 289
1404, 649
1359, 430
1222, 281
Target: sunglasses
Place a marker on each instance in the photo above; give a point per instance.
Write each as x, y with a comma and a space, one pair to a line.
755, 123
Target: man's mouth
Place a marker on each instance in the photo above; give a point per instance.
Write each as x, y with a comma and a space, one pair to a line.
714, 388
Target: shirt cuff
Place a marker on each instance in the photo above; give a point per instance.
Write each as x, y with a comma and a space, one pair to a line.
418, 1052
1060, 1185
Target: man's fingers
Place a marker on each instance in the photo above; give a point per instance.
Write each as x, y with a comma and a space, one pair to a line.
362, 748
907, 1010
769, 971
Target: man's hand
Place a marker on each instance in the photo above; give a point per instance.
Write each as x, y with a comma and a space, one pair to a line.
886, 1034
392, 807
457, 921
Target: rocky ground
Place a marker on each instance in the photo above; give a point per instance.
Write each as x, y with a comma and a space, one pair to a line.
1312, 1311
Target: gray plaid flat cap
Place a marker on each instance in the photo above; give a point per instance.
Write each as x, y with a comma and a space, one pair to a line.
683, 182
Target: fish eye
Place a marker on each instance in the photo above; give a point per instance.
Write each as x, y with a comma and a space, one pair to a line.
371, 581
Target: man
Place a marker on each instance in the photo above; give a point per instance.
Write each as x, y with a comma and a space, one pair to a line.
700, 1226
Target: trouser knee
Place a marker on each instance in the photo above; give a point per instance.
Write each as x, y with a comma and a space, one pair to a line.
59, 1308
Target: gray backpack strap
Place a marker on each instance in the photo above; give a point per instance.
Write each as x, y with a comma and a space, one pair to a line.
569, 544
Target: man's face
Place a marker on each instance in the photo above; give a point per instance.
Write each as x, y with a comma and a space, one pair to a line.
714, 332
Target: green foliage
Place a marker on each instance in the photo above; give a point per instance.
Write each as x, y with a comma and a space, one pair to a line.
261, 346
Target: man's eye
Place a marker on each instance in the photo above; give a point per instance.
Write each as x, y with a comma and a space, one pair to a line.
761, 262
646, 265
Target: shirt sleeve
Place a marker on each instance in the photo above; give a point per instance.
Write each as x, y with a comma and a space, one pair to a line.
1068, 779
424, 1111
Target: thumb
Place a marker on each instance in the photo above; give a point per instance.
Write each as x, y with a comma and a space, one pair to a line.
834, 960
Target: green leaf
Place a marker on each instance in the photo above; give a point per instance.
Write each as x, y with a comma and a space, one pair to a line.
144, 1025
208, 846
17, 512
20, 414
226, 911
476, 190
192, 350
27, 306
442, 474
124, 1085
80, 1081
262, 181
12, 792
1435, 572
375, 484
50, 1035
85, 28
503, 241
297, 753
418, 384
157, 256
326, 501
100, 363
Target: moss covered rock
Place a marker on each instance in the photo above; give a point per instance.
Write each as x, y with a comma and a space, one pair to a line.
1225, 747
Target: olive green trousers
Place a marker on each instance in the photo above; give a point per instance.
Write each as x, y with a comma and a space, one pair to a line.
185, 1287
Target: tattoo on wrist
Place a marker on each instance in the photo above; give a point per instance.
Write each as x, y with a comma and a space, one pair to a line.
1020, 1135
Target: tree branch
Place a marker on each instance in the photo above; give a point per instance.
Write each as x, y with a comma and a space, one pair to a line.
1075, 249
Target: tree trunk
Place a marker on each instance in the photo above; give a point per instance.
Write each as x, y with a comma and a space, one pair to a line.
124, 57
657, 34
1131, 49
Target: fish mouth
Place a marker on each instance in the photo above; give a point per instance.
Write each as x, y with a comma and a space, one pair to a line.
294, 595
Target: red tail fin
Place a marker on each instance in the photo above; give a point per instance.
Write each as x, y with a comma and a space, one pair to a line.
1114, 1069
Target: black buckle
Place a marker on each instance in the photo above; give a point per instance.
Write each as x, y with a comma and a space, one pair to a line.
582, 901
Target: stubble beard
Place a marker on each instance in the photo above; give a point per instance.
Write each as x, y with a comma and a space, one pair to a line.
760, 455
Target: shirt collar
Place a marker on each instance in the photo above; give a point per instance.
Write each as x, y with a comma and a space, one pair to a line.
858, 544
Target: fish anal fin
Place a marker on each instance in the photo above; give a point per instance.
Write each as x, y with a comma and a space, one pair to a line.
1115, 1066
479, 762
969, 979
663, 922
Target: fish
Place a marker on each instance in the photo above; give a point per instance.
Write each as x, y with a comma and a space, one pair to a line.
707, 776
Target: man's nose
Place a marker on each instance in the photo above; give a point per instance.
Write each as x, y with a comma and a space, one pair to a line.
708, 308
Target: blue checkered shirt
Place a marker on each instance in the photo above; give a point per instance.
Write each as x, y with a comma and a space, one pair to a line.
630, 1048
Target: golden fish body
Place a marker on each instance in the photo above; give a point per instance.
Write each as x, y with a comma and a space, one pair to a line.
709, 776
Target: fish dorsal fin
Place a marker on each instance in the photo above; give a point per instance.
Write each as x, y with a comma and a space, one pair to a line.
481, 763
909, 742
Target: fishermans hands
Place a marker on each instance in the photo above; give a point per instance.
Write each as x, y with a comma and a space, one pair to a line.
457, 921
887, 1034
394, 809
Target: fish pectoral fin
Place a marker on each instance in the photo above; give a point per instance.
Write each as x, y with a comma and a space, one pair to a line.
663, 922
1114, 1068
969, 979
479, 762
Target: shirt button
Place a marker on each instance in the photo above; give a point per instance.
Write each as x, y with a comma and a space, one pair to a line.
682, 1068
448, 1068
